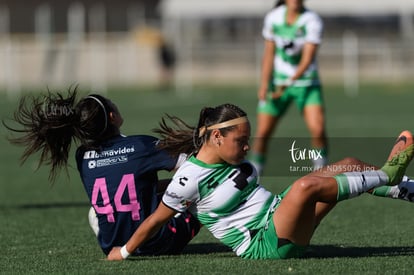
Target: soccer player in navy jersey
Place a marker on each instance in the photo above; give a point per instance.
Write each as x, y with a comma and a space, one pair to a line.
119, 173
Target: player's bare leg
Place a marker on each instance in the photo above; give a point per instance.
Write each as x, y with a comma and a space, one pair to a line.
296, 216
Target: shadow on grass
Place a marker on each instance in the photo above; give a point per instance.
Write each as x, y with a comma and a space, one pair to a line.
315, 251
333, 251
206, 248
53, 205
192, 250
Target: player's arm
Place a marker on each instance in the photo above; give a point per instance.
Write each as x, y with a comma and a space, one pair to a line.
267, 68
145, 231
308, 54
314, 32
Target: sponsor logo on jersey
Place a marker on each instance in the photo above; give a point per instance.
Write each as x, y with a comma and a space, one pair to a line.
92, 164
108, 153
173, 195
107, 161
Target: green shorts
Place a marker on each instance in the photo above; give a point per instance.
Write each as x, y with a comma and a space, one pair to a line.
266, 245
303, 96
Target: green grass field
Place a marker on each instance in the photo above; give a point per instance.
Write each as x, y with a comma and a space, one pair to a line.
44, 228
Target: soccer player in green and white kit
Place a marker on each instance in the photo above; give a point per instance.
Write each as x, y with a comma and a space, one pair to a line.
292, 35
222, 189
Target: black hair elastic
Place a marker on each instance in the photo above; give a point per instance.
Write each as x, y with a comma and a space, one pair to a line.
104, 109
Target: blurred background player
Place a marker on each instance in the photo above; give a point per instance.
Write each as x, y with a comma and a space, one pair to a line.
167, 59
289, 73
166, 55
119, 173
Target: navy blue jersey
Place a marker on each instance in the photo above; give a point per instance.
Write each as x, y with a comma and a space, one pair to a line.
120, 180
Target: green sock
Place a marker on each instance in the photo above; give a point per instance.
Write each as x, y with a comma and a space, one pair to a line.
403, 191
381, 191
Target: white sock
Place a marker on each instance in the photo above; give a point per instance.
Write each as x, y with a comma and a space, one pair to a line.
93, 221
352, 184
319, 163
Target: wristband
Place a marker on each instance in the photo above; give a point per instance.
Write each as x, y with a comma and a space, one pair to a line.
124, 252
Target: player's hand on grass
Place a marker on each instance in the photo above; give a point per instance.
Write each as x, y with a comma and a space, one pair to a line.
115, 254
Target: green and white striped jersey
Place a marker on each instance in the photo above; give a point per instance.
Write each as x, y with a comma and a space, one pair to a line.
227, 199
290, 40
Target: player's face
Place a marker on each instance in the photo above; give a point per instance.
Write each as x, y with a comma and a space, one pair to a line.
295, 5
235, 145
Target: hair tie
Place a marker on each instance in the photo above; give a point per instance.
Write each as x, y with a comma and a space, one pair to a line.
228, 123
104, 109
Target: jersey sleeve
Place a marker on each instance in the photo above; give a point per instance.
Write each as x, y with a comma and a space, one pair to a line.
158, 159
181, 160
267, 32
181, 192
314, 29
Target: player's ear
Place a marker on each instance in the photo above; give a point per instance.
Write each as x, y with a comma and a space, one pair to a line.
216, 133
112, 116
115, 118
216, 137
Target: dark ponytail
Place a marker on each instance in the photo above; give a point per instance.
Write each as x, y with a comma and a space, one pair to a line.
182, 138
48, 126
50, 123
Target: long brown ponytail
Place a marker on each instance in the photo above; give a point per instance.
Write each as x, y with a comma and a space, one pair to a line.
182, 138
50, 122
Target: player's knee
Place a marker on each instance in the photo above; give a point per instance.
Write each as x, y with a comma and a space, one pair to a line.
308, 186
350, 161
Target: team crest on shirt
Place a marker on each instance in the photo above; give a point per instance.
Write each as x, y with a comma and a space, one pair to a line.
300, 32
185, 203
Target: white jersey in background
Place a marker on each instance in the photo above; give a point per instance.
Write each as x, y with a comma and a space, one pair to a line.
290, 40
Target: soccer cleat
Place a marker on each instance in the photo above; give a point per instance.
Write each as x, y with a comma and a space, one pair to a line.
399, 158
